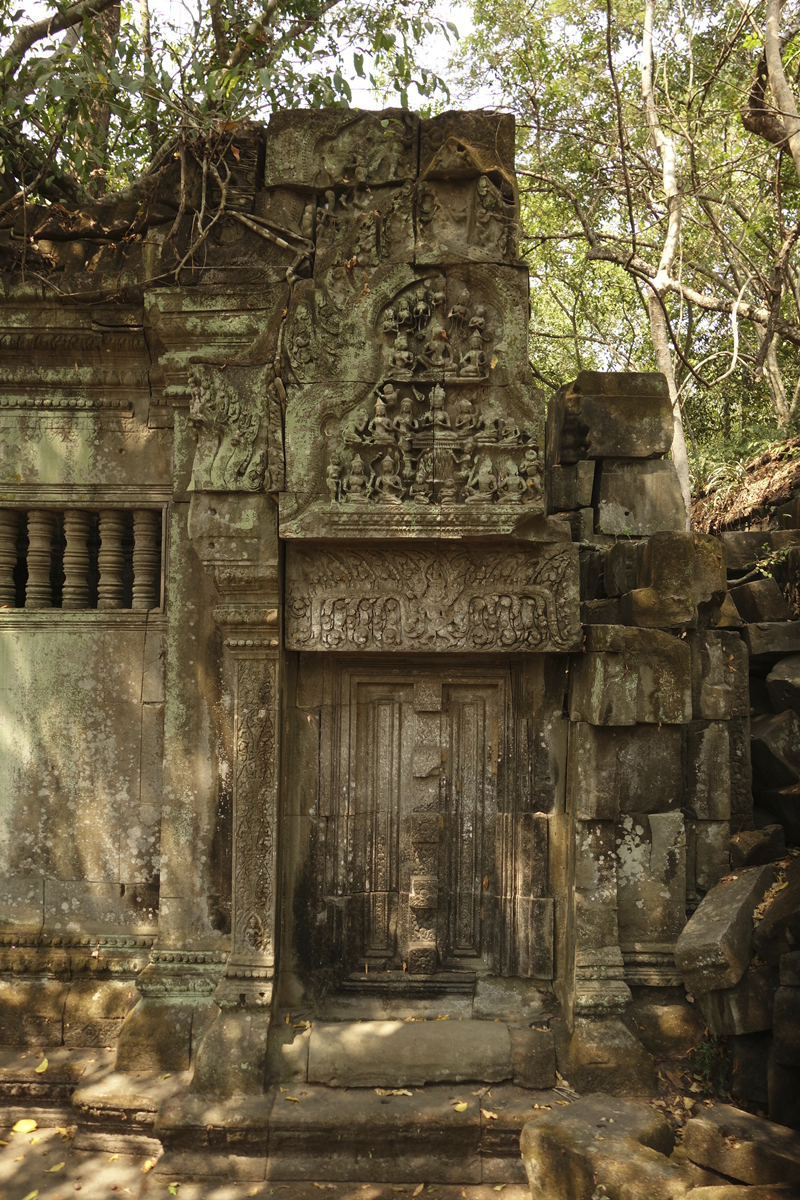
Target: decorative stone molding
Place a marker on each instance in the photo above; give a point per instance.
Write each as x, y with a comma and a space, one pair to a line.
425, 599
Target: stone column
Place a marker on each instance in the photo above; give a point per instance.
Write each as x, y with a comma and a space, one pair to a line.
110, 559
9, 529
39, 592
146, 558
75, 594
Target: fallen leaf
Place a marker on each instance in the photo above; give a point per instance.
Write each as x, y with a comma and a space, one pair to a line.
499, 1187
2, 1143
173, 1189
294, 1099
26, 1125
113, 1158
148, 1165
419, 1188
35, 1140
490, 1116
392, 1092
460, 1105
563, 1103
31, 1195
443, 1017
57, 1167
42, 1067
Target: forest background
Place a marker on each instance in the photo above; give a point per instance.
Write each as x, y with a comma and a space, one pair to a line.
658, 159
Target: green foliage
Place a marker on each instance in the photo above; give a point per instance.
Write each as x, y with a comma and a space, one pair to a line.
74, 110
711, 1066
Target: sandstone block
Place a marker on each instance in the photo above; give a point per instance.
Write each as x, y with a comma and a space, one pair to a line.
755, 846
786, 1027
744, 1008
749, 1054
287, 1054
760, 600
622, 567
729, 614
776, 749
620, 1145
95, 1010
781, 805
651, 877
397, 1054
745, 547
570, 486
664, 1022
603, 1055
601, 612
784, 1093
742, 1146
714, 949
708, 791
790, 968
741, 773
719, 675
783, 684
644, 676
778, 930
32, 1011
533, 1058
711, 861
623, 769
639, 498
156, 1036
770, 641
681, 582
733, 1191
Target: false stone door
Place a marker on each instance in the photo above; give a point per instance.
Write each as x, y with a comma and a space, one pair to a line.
417, 781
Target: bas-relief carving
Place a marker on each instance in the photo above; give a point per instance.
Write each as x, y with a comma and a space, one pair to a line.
239, 420
423, 599
327, 147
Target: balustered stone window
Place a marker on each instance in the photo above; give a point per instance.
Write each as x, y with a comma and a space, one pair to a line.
77, 558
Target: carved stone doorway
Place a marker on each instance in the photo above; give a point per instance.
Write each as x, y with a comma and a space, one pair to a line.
426, 865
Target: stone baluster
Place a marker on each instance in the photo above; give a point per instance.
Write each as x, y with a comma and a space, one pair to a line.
146, 558
75, 593
110, 558
9, 528
39, 591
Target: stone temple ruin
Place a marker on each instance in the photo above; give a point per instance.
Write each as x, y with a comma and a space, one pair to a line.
344, 693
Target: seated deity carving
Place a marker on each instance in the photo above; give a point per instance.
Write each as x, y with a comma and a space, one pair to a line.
436, 352
510, 431
473, 363
481, 486
355, 487
422, 486
387, 485
360, 430
404, 317
401, 360
487, 429
512, 487
459, 313
381, 426
467, 417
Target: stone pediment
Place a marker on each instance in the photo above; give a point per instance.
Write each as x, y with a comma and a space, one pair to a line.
432, 598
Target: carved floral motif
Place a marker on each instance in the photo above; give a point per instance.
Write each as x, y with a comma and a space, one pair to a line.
426, 599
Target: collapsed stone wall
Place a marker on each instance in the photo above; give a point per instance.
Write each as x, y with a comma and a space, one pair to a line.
315, 434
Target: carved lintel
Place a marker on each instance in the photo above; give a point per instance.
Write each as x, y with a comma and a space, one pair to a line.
424, 598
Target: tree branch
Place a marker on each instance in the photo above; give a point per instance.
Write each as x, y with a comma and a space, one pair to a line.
30, 34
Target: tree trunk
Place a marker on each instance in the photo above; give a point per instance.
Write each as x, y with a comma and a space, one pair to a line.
107, 32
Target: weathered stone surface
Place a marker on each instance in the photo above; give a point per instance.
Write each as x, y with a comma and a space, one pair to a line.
732, 1191
719, 675
749, 1055
744, 548
776, 749
32, 1011
786, 1027
741, 774
533, 1058
781, 805
396, 1054
760, 600
323, 148
681, 582
287, 1054
637, 498
777, 931
783, 684
744, 1008
644, 676
742, 1146
631, 769
711, 855
95, 1010
605, 1055
713, 950
756, 846
651, 876
783, 1084
610, 415
790, 969
769, 641
156, 1036
570, 486
599, 1140
708, 793
664, 1022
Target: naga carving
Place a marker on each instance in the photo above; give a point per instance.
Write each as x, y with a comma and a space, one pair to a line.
425, 599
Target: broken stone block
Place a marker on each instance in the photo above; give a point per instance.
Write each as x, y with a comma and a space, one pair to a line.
775, 749
708, 776
769, 641
651, 877
781, 805
711, 862
681, 582
741, 773
760, 600
645, 676
623, 769
777, 931
749, 1054
601, 1145
728, 617
714, 949
790, 968
742, 1146
719, 676
570, 486
638, 498
664, 1021
399, 1054
745, 547
603, 1055
783, 684
601, 612
533, 1058
744, 1008
609, 415
755, 846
